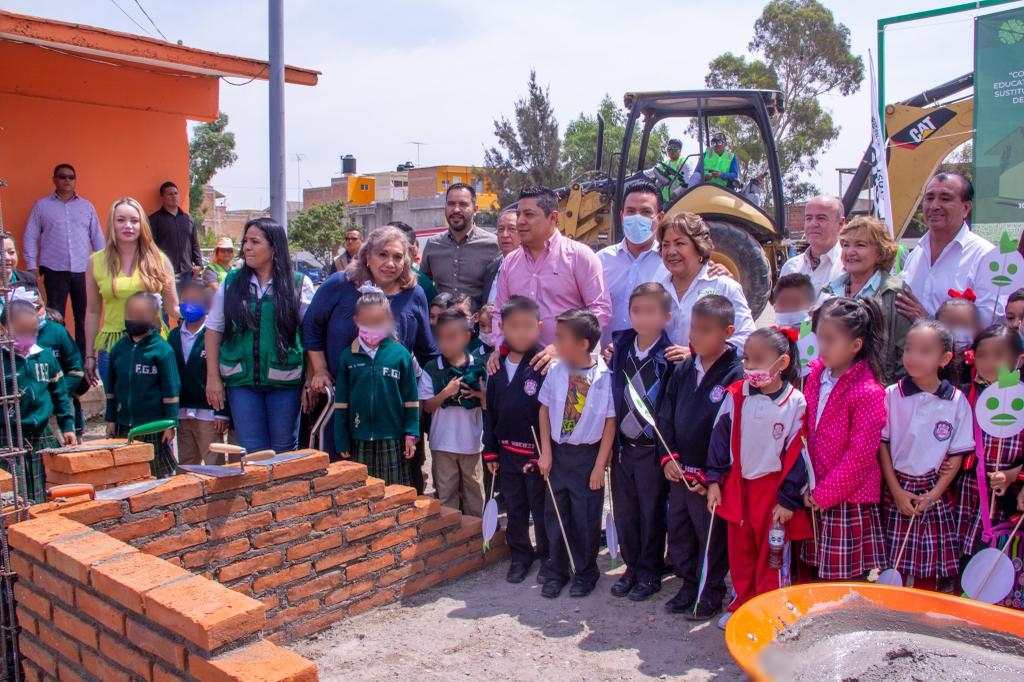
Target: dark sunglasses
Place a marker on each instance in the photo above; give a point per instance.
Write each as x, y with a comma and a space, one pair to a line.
65, 177
351, 239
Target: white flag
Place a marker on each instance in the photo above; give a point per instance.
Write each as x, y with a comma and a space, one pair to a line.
880, 174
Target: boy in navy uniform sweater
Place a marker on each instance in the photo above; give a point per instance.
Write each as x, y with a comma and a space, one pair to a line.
511, 411
687, 416
143, 381
577, 432
638, 484
199, 425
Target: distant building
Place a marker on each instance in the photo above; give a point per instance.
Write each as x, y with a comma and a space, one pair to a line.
433, 180
355, 190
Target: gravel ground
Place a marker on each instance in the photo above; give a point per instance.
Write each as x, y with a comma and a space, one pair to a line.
480, 626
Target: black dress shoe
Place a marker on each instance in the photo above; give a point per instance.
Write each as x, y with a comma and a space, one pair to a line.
553, 587
543, 575
682, 602
581, 587
643, 591
623, 585
517, 571
706, 610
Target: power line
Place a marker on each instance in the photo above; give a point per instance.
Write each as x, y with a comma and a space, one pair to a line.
151, 20
132, 19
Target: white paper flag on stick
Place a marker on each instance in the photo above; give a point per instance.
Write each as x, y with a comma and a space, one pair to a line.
880, 174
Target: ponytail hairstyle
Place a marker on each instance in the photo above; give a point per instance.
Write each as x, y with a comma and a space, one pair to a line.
783, 342
240, 299
951, 371
862, 319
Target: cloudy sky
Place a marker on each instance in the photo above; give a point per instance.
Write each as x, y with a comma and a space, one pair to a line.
440, 71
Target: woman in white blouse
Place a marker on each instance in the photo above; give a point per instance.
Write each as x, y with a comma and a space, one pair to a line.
685, 245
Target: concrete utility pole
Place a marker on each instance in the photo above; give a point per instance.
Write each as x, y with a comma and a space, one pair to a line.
278, 191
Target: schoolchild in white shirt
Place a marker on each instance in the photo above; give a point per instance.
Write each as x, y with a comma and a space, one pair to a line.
577, 431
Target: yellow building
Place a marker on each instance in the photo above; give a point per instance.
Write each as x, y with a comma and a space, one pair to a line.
355, 190
433, 180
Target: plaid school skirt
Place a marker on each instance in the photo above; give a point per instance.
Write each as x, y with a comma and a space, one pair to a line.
32, 474
384, 459
850, 542
163, 464
967, 510
933, 547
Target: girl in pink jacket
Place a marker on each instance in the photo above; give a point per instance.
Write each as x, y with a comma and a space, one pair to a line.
845, 416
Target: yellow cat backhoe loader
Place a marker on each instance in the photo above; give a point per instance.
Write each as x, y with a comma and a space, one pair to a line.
747, 220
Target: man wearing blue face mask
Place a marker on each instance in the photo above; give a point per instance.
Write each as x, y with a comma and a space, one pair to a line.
199, 424
634, 260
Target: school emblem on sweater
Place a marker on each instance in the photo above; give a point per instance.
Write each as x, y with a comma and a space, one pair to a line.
943, 431
717, 393
778, 430
530, 387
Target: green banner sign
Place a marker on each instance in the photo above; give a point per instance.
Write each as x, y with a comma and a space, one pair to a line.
999, 124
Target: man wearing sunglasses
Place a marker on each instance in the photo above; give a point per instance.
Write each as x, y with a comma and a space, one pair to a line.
63, 230
719, 166
350, 249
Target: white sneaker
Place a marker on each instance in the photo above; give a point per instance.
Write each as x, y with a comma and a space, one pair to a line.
724, 619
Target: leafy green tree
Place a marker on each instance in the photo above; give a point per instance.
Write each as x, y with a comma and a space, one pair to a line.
321, 230
211, 148
528, 147
579, 148
800, 50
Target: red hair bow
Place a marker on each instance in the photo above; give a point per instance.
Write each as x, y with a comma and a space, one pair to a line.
967, 294
791, 333
969, 358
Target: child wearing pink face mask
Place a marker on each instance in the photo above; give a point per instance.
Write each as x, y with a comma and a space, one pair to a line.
377, 420
756, 475
43, 394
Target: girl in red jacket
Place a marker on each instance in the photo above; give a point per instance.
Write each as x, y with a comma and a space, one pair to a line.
845, 417
754, 465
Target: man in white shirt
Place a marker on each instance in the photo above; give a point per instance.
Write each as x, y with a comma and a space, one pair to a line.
822, 262
634, 260
508, 241
949, 255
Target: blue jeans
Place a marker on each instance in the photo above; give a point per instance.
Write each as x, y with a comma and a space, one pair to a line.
102, 368
266, 418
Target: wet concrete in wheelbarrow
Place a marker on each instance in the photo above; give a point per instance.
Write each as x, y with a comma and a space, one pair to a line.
481, 627
861, 642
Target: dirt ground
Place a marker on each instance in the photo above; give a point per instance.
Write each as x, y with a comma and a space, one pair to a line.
480, 626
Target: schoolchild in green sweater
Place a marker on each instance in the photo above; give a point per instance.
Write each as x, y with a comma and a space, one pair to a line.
43, 394
377, 420
199, 425
143, 383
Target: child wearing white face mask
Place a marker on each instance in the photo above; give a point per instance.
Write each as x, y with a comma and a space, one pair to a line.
792, 299
961, 317
378, 417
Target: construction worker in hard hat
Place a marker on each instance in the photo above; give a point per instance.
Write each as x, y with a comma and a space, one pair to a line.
718, 166
217, 269
673, 169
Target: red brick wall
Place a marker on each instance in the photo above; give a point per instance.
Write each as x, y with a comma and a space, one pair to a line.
304, 542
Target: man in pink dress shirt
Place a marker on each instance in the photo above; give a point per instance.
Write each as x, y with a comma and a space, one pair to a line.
558, 273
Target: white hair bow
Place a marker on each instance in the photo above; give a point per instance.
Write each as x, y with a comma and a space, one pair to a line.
370, 288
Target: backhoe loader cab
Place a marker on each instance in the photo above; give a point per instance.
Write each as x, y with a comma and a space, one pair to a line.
746, 219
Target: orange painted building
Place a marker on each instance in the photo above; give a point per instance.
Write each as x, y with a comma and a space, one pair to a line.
430, 181
114, 105
355, 190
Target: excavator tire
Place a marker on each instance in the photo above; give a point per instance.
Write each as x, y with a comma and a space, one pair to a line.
738, 251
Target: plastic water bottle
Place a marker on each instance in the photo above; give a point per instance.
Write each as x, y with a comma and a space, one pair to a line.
776, 543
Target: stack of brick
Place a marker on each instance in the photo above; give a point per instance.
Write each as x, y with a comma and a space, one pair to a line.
91, 607
313, 542
101, 463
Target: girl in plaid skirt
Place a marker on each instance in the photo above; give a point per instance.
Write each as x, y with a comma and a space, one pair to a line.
845, 417
378, 417
929, 422
998, 346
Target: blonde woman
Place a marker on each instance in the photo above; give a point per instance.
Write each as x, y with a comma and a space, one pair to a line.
129, 262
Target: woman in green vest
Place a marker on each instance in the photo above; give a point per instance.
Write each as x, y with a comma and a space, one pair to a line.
254, 359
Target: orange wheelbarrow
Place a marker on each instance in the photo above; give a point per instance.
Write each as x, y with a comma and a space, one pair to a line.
758, 624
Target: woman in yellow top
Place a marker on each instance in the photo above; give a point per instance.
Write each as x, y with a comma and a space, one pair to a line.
130, 262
